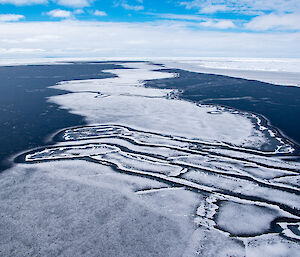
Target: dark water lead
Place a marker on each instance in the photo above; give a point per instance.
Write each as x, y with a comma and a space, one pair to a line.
26, 118
279, 104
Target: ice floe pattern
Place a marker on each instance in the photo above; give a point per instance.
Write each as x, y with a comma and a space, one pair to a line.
155, 175
125, 100
241, 198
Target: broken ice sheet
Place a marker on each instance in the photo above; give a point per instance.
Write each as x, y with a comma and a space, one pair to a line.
75, 208
163, 115
271, 245
152, 166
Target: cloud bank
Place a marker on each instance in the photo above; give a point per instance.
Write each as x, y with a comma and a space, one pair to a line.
157, 39
243, 6
69, 3
100, 13
74, 3
57, 13
23, 2
11, 17
259, 14
275, 21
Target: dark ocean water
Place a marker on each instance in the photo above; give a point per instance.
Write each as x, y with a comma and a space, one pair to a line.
279, 104
26, 118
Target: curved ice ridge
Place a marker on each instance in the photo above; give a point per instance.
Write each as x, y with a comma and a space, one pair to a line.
237, 168
227, 173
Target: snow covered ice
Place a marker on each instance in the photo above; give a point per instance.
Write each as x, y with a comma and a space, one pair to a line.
281, 71
151, 175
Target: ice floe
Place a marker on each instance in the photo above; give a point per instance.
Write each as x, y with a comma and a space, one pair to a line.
151, 174
129, 103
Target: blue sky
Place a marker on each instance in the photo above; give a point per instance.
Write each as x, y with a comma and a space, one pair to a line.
235, 23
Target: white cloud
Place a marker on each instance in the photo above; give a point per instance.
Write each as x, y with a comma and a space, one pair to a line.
243, 6
23, 2
74, 3
58, 13
275, 21
171, 16
78, 11
137, 6
270, 14
95, 39
20, 50
132, 7
222, 24
11, 17
214, 8
100, 13
198, 20
41, 38
68, 3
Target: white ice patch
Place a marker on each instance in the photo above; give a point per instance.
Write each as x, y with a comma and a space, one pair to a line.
129, 103
211, 243
75, 208
271, 245
244, 219
289, 180
71, 152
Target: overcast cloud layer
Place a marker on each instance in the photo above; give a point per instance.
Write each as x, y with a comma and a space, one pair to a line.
91, 39
144, 28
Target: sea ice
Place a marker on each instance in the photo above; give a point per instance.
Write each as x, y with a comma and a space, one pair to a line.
151, 175
74, 208
276, 71
125, 106
244, 219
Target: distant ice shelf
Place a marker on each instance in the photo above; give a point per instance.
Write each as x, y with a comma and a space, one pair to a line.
275, 71
278, 71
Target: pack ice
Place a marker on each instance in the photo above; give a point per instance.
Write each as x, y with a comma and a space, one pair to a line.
151, 175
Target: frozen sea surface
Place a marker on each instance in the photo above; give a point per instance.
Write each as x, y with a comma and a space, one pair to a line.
280, 105
275, 71
152, 175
